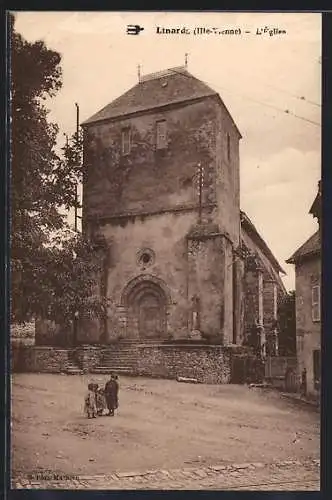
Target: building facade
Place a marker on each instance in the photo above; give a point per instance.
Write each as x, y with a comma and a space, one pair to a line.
307, 261
161, 194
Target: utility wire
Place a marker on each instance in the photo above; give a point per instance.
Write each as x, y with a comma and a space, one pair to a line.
300, 98
286, 111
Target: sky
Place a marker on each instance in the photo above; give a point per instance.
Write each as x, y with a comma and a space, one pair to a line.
263, 80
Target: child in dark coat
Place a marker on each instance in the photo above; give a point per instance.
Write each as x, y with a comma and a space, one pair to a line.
111, 394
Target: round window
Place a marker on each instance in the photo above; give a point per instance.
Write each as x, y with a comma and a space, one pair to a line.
145, 257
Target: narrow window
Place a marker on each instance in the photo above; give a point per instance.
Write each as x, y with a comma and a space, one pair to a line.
260, 298
126, 141
161, 135
316, 368
315, 303
228, 147
275, 302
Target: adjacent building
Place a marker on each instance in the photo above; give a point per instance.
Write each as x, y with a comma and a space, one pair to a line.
307, 261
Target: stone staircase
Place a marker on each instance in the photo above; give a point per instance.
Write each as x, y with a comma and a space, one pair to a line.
71, 367
120, 358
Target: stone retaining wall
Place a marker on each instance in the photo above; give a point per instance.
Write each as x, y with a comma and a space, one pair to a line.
38, 359
210, 364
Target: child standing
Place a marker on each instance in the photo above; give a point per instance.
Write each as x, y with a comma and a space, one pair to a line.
101, 403
90, 406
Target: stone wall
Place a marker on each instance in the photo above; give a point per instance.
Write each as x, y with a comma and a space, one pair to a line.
228, 175
87, 357
206, 281
49, 359
164, 235
251, 299
38, 359
281, 372
210, 364
148, 179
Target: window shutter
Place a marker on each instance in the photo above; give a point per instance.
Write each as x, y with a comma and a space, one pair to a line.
126, 141
315, 303
161, 135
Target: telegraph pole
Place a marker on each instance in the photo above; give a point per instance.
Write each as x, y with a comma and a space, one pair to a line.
76, 187
76, 216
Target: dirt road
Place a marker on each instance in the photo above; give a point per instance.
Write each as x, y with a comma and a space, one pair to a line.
161, 424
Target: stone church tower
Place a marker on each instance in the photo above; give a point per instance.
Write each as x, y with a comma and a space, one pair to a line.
161, 192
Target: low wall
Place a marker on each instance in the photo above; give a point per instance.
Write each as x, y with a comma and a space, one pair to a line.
47, 359
38, 359
87, 357
210, 364
281, 372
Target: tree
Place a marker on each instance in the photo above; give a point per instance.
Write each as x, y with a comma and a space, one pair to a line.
69, 272
51, 278
287, 325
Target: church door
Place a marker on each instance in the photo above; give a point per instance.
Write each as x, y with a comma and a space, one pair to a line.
150, 317
146, 312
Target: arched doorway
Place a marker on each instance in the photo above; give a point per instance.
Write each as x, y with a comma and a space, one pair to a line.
146, 300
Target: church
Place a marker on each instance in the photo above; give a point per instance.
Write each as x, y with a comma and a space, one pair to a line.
161, 198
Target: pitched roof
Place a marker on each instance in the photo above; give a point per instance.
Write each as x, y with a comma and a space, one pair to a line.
171, 86
316, 207
309, 248
252, 231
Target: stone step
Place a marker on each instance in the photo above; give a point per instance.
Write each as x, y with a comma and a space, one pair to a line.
119, 357
120, 353
113, 359
117, 362
107, 370
115, 366
73, 371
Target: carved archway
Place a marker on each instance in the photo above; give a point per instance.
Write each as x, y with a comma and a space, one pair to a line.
145, 302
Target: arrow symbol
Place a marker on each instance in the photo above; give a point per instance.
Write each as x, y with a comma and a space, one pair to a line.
134, 29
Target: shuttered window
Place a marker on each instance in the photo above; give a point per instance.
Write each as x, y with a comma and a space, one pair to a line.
161, 135
126, 141
228, 147
315, 303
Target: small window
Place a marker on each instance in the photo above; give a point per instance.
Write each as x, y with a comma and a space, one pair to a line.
126, 141
260, 298
300, 344
275, 302
161, 135
316, 368
315, 303
228, 147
